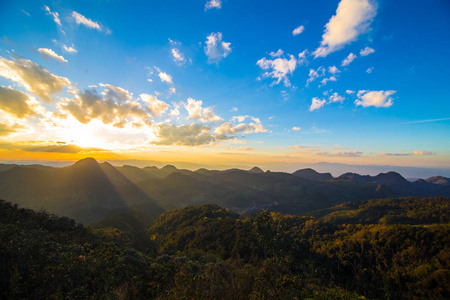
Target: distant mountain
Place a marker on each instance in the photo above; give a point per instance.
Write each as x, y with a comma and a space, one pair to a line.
312, 175
89, 191
433, 186
439, 180
256, 170
86, 191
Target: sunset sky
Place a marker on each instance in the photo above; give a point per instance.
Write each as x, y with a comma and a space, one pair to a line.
226, 81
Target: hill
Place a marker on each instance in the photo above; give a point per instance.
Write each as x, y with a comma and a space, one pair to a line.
312, 175
86, 191
89, 191
208, 252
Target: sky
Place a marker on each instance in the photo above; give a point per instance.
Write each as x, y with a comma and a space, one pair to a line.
226, 82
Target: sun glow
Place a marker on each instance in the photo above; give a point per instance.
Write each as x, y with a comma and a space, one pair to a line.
85, 136
84, 139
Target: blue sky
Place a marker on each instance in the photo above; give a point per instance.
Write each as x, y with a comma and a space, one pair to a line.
353, 81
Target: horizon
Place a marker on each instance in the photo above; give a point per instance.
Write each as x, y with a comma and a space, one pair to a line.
227, 84
335, 169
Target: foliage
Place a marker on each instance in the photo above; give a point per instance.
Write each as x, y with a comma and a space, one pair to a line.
391, 248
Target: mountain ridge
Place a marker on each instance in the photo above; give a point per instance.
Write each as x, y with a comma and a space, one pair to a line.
89, 191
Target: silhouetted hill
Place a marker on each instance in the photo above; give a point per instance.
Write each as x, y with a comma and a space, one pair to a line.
356, 177
165, 171
312, 175
408, 210
88, 191
5, 167
434, 186
135, 174
205, 171
256, 170
85, 191
439, 180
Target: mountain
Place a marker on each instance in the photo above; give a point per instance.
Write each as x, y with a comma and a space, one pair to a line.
256, 170
312, 175
439, 180
89, 191
86, 191
135, 174
433, 186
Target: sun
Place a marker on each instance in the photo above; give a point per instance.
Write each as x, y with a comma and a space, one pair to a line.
85, 137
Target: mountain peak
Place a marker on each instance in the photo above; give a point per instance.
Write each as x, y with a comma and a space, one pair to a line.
312, 175
86, 162
390, 178
256, 170
169, 168
438, 180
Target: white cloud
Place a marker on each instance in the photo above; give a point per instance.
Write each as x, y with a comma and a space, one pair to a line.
184, 135
80, 19
335, 97
165, 77
296, 128
280, 68
216, 49
352, 18
350, 92
339, 154
243, 118
55, 15
325, 80
314, 74
369, 70
213, 4
366, 51
317, 103
240, 149
33, 77
8, 129
175, 112
374, 98
15, 103
299, 147
172, 91
177, 56
279, 53
333, 70
155, 106
194, 108
70, 49
198, 113
423, 153
222, 132
49, 53
302, 59
348, 60
408, 154
109, 107
298, 30
114, 93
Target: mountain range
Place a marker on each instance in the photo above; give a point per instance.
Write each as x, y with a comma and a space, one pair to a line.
88, 191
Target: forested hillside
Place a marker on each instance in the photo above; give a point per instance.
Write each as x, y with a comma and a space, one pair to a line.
378, 249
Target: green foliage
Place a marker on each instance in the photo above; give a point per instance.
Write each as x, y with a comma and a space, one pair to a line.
378, 249
207, 227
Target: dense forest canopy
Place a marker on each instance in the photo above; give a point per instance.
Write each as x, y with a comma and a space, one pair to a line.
386, 248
